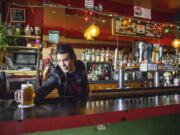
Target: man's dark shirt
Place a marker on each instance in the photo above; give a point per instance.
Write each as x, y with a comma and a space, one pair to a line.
68, 85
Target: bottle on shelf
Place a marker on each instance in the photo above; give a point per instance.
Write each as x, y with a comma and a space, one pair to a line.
100, 72
106, 74
98, 56
83, 56
89, 75
102, 55
107, 58
88, 55
93, 56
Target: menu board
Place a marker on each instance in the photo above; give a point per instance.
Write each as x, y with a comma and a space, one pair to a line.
134, 28
17, 15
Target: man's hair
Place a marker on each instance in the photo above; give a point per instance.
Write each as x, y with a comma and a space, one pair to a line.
66, 48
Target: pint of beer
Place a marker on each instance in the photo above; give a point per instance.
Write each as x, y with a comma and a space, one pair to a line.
25, 95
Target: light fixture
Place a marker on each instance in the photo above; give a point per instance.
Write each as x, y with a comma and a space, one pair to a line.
87, 35
91, 32
176, 43
94, 30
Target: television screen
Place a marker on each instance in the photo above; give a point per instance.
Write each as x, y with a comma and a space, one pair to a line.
24, 58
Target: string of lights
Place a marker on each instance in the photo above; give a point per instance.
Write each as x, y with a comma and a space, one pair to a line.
167, 27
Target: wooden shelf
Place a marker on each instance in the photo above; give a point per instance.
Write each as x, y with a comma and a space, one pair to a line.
23, 47
27, 36
20, 72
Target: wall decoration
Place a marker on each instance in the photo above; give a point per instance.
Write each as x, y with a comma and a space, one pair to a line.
53, 36
124, 26
142, 12
136, 28
17, 15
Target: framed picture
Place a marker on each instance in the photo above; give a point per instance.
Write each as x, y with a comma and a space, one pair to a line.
17, 15
123, 27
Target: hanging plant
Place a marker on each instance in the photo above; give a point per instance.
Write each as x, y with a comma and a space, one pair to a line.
5, 39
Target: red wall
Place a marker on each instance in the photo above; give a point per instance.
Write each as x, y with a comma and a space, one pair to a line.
34, 17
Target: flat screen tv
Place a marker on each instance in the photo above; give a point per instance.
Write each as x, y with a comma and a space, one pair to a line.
24, 58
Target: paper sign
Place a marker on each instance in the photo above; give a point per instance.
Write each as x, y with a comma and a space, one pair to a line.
142, 12
89, 3
54, 36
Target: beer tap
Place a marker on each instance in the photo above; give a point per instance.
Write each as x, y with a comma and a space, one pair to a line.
149, 53
145, 53
160, 53
140, 51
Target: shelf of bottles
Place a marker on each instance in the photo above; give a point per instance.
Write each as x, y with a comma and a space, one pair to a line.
98, 64
104, 64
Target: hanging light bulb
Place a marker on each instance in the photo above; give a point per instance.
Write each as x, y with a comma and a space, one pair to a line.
87, 35
94, 30
176, 43
91, 32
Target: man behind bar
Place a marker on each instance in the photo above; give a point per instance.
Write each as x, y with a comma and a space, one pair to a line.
69, 77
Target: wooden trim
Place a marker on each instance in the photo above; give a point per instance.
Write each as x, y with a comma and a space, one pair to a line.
83, 41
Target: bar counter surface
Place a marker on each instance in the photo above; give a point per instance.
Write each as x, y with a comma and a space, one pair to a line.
56, 114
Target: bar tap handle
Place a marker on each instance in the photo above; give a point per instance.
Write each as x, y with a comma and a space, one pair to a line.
115, 58
140, 52
153, 55
149, 53
160, 53
145, 53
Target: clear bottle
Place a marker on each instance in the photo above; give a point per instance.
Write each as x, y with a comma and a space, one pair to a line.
88, 56
98, 56
83, 56
107, 55
106, 74
93, 56
102, 55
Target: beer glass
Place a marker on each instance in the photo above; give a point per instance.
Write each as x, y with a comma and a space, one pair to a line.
24, 96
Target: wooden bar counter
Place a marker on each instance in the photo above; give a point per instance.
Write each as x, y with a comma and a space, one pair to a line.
66, 117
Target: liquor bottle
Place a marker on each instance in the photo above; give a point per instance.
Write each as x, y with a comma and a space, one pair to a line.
124, 61
93, 56
100, 72
129, 62
102, 55
98, 56
88, 55
83, 56
106, 74
107, 55
89, 74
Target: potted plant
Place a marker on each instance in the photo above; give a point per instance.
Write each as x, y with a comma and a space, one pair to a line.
6, 38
